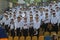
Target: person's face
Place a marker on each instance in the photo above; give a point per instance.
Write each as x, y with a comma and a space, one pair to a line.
36, 11
10, 14
37, 18
57, 9
31, 18
25, 19
54, 15
12, 20
18, 18
41, 10
46, 14
6, 16
20, 12
46, 10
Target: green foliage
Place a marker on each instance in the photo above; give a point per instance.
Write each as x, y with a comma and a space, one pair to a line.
14, 1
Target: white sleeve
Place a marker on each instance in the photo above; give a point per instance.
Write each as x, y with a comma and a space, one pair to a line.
2, 21
15, 25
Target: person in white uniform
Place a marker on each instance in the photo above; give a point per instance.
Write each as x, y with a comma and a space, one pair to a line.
6, 23
37, 24
18, 26
25, 27
12, 28
54, 21
46, 21
31, 30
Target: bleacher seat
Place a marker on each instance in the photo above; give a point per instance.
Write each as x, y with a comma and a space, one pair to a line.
28, 38
22, 38
10, 38
58, 38
52, 33
16, 38
46, 33
48, 38
58, 33
41, 37
34, 38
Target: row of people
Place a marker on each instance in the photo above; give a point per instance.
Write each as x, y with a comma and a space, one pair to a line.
31, 19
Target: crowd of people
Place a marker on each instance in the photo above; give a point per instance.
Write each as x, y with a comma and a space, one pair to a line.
23, 20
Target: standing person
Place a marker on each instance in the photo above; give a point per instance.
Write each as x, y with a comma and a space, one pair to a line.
18, 26
12, 28
46, 21
54, 21
31, 30
25, 27
37, 24
6, 23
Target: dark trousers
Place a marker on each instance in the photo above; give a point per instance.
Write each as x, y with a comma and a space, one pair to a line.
59, 27
12, 32
31, 31
38, 32
59, 24
42, 26
45, 26
6, 28
25, 32
55, 27
18, 32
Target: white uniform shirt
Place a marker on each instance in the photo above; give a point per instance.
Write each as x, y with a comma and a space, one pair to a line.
18, 24
54, 20
25, 25
12, 26
47, 20
37, 25
7, 22
3, 20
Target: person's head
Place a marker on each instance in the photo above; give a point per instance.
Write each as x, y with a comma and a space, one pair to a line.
37, 18
30, 11
12, 20
46, 10
46, 14
36, 11
6, 16
41, 9
50, 5
57, 8
53, 11
20, 8
10, 14
31, 17
25, 12
14, 13
19, 18
20, 12
54, 14
25, 19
